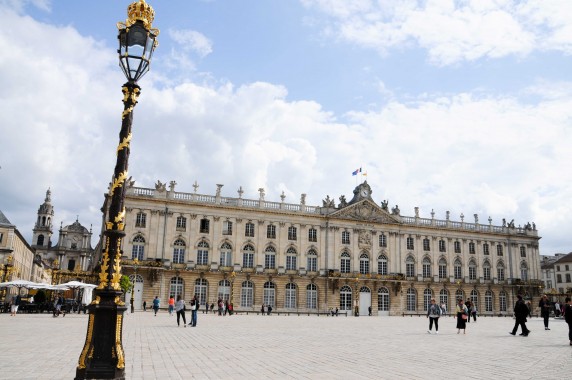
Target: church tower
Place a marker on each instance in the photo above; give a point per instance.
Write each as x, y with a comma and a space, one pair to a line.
41, 240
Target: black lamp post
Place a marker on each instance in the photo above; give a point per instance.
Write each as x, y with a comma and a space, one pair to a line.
102, 356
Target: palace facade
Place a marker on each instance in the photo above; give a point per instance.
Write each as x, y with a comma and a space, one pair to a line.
352, 255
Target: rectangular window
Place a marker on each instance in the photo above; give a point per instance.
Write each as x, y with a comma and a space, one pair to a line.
181, 223
568, 277
485, 249
486, 273
312, 235
558, 268
382, 241
502, 302
442, 270
248, 260
249, 230
472, 248
270, 261
312, 264
292, 233
442, 246
549, 284
566, 266
410, 243
382, 267
204, 226
345, 237
522, 251
426, 245
141, 220
271, 231
457, 270
312, 299
558, 278
410, 269
1, 236
246, 297
426, 270
457, 247
227, 227
291, 263
499, 250
500, 274
472, 273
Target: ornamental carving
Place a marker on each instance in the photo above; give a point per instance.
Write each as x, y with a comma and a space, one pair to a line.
364, 239
366, 211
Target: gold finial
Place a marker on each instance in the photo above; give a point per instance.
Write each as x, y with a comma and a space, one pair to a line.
142, 11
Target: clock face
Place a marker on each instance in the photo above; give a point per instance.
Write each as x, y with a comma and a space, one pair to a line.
364, 193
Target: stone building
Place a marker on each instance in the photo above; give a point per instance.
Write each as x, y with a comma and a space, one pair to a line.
17, 261
302, 258
72, 252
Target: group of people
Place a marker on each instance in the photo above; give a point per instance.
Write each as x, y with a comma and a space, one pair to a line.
179, 307
521, 312
267, 308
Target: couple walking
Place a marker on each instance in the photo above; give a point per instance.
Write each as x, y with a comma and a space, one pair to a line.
180, 307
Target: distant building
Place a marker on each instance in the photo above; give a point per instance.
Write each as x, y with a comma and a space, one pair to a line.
563, 274
73, 251
296, 257
16, 257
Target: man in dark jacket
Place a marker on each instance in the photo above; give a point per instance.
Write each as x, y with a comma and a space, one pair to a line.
544, 306
520, 314
568, 317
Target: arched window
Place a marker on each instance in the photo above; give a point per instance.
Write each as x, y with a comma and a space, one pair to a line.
458, 269
459, 295
486, 270
345, 298
472, 270
426, 267
345, 263
383, 299
203, 253
364, 263
247, 294
312, 296
269, 296
500, 271
442, 268
290, 296
523, 271
312, 261
410, 266
291, 259
40, 240
427, 295
138, 248
269, 258
178, 251
488, 300
382, 264
224, 290
201, 287
176, 287
411, 299
502, 300
444, 299
248, 256
225, 255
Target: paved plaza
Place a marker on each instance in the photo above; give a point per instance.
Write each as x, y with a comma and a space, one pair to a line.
38, 346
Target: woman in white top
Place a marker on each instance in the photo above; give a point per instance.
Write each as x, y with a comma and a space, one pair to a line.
180, 309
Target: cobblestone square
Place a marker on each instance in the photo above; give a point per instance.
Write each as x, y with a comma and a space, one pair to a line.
38, 346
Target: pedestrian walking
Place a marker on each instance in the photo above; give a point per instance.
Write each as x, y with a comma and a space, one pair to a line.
156, 304
15, 305
544, 306
144, 305
473, 312
568, 317
520, 314
262, 309
269, 309
557, 309
468, 305
171, 305
180, 309
433, 313
443, 309
462, 316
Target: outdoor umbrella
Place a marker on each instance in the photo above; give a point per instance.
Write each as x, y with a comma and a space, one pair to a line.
18, 284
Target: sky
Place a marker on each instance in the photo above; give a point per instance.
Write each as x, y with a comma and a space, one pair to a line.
462, 106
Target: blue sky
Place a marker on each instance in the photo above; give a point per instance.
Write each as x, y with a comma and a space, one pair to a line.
461, 106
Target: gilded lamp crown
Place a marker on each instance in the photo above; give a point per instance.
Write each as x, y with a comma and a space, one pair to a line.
140, 11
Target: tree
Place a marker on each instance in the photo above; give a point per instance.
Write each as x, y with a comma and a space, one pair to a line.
125, 284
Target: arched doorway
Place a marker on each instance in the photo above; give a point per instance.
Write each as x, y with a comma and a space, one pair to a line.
364, 300
137, 280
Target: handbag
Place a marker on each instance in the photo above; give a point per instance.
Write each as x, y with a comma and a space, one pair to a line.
464, 316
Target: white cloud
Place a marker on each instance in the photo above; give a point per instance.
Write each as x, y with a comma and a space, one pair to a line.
490, 155
191, 40
451, 31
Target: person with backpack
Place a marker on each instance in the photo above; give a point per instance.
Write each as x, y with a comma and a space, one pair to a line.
433, 313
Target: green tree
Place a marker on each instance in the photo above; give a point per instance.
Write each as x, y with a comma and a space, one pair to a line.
125, 284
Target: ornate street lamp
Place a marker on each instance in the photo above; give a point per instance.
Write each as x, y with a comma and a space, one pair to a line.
102, 356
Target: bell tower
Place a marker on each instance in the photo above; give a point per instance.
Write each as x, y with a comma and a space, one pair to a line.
42, 237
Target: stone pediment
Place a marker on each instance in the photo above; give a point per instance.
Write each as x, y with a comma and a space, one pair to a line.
366, 211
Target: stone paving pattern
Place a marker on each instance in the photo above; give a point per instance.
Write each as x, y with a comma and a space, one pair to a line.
38, 346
